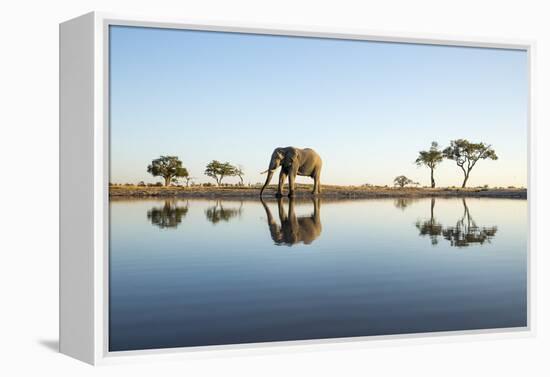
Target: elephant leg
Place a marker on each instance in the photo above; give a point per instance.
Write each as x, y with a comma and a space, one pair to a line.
282, 214
291, 183
316, 209
291, 210
282, 177
316, 184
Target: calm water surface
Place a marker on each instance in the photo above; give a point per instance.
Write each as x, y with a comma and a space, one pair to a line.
206, 272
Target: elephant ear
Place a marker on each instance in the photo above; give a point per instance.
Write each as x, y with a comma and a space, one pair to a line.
279, 153
290, 158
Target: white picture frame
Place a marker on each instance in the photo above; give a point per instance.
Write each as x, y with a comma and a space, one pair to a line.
84, 186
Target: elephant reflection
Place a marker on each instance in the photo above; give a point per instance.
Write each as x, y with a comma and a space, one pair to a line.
294, 229
168, 216
464, 233
218, 213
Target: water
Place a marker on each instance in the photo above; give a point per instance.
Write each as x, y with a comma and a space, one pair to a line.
207, 272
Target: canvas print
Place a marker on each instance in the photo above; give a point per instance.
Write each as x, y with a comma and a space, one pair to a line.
268, 188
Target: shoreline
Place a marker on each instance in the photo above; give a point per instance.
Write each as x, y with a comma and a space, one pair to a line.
328, 192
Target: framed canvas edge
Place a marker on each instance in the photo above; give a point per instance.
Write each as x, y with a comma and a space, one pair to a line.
102, 355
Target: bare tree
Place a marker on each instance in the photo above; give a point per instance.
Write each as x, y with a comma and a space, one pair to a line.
239, 172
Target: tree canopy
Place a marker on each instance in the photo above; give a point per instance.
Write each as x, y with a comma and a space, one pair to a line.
430, 158
218, 170
467, 154
168, 167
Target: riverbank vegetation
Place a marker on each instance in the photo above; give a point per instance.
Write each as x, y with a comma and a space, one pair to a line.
327, 191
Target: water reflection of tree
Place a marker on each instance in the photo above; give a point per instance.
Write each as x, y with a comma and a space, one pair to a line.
294, 229
217, 212
430, 227
168, 216
403, 203
464, 233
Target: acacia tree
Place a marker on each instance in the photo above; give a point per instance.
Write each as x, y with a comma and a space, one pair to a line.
403, 181
430, 159
168, 167
467, 154
219, 170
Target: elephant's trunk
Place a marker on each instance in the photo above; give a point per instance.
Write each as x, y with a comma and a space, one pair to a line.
267, 180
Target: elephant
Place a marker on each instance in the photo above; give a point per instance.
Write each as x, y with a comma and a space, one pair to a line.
294, 229
294, 161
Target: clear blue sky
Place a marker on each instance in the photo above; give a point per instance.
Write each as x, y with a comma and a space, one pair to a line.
366, 107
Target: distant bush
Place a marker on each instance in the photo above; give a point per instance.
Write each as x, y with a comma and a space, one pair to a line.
403, 181
141, 183
158, 184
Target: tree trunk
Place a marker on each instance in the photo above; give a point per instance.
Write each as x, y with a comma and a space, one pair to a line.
466, 176
432, 177
167, 181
